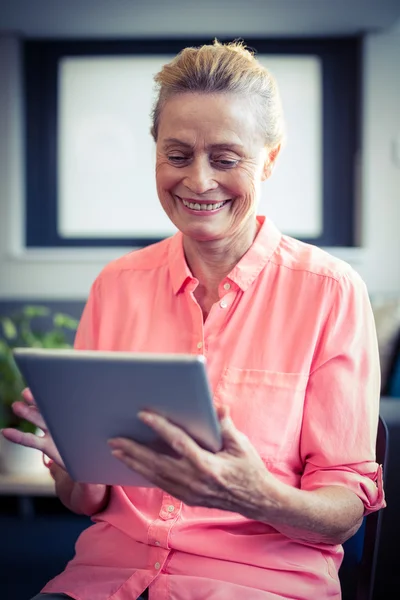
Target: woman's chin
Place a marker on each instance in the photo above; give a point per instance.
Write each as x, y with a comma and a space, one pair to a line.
203, 232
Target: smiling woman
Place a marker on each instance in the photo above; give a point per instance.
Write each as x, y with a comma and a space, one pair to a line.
292, 361
208, 179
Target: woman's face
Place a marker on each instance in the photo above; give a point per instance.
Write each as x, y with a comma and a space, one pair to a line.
210, 162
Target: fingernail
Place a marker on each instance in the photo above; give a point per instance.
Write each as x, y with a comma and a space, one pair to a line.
145, 416
117, 453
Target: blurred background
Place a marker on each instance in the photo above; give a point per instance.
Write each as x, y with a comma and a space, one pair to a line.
77, 189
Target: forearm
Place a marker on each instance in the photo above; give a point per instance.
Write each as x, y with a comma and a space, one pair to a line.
328, 515
80, 498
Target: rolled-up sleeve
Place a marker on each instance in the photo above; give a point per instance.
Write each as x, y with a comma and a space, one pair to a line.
341, 409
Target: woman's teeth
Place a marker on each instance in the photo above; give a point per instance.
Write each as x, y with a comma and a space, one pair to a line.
197, 206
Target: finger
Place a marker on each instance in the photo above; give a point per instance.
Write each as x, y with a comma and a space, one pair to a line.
233, 440
223, 411
29, 413
155, 475
143, 460
178, 439
132, 449
135, 464
28, 396
30, 440
162, 472
44, 444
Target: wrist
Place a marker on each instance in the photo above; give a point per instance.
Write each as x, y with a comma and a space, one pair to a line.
275, 504
268, 502
89, 498
277, 501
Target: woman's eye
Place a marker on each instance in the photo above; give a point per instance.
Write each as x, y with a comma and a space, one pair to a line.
176, 159
225, 163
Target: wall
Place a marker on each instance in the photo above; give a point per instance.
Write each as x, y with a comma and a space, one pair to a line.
124, 18
68, 274
381, 161
30, 274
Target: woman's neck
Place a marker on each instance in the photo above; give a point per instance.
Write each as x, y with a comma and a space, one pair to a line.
210, 262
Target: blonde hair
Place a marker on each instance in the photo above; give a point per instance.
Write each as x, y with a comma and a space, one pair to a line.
222, 68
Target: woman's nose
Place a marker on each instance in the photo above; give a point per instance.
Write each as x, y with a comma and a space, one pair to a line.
199, 177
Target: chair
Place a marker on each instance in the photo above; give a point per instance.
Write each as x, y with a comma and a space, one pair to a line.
357, 573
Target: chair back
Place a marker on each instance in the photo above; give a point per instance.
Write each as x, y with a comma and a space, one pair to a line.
357, 573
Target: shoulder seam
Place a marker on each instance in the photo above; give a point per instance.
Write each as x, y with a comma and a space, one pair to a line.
132, 267
336, 277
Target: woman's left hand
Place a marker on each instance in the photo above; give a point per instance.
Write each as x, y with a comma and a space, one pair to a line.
234, 479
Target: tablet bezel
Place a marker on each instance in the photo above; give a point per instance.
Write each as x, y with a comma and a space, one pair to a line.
67, 373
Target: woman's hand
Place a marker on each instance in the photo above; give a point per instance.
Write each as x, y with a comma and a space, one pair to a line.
81, 498
232, 479
28, 410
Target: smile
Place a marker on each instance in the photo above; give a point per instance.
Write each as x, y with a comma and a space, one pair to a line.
203, 206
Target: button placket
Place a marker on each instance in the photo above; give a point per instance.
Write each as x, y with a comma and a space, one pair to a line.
159, 531
170, 508
198, 325
226, 296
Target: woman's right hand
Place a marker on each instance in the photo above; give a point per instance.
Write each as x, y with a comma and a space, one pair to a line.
81, 498
28, 410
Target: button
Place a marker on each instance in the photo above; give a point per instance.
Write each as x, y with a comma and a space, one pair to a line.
157, 543
223, 304
171, 508
227, 286
157, 565
200, 345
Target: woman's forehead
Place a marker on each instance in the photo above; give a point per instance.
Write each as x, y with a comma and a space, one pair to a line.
221, 118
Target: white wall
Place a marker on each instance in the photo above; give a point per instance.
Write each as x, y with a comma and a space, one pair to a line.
30, 274
68, 274
381, 161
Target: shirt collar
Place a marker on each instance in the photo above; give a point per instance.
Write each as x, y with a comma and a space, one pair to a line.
246, 270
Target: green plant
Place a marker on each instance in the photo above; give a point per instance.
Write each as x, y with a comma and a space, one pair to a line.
17, 330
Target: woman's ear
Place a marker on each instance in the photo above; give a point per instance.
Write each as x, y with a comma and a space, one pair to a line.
269, 163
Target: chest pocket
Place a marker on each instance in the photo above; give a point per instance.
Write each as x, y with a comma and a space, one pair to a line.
267, 406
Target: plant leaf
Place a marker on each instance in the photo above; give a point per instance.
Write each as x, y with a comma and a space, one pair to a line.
9, 329
62, 320
32, 311
18, 332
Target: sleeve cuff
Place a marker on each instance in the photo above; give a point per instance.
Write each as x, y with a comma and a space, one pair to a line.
364, 481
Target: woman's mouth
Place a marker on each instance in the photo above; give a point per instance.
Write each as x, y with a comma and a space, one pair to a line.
203, 206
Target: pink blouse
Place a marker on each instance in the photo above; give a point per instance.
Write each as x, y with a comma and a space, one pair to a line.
291, 347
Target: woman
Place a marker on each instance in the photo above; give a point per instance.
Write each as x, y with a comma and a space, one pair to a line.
292, 359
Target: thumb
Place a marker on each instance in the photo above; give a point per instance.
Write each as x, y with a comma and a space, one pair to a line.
230, 435
223, 411
28, 396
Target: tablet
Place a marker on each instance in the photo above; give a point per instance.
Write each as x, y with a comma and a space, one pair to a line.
88, 397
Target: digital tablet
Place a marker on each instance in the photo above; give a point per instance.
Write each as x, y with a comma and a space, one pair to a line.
88, 397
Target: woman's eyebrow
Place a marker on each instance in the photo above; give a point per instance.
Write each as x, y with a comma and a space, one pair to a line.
169, 141
220, 146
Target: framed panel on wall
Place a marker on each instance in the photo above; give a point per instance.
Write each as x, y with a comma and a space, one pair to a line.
90, 157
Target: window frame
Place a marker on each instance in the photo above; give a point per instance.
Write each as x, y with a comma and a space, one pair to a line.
341, 61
